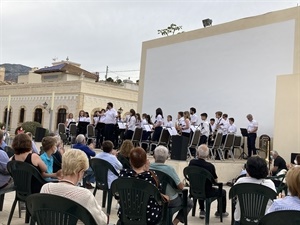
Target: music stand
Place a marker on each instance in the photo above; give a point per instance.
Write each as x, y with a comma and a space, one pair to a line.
82, 127
244, 134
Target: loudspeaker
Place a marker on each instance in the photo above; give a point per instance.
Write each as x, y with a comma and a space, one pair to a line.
39, 134
293, 156
179, 147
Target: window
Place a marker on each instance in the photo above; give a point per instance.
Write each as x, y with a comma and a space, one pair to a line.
22, 115
38, 115
61, 116
5, 116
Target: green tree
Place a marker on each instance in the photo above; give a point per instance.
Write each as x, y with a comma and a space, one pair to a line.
172, 29
110, 79
119, 81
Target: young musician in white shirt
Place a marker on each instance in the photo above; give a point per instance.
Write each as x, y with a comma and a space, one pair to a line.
130, 125
87, 117
169, 121
212, 128
138, 122
69, 120
180, 121
159, 121
81, 116
186, 125
204, 127
232, 128
194, 117
224, 127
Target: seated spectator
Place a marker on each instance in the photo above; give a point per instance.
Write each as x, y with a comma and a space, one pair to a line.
109, 155
124, 152
140, 170
81, 144
23, 152
34, 148
279, 165
5, 179
292, 201
257, 171
74, 164
161, 155
202, 154
49, 147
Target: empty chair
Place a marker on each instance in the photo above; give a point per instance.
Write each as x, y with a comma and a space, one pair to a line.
47, 209
62, 132
163, 139
90, 133
194, 142
228, 144
217, 144
137, 136
238, 141
73, 132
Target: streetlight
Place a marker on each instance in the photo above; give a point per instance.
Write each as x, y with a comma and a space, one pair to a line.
50, 111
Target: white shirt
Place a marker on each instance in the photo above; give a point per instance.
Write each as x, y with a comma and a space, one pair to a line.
88, 119
102, 119
80, 195
266, 182
159, 121
110, 116
213, 127
204, 128
96, 120
225, 126
194, 120
143, 123
220, 124
232, 129
169, 124
81, 119
184, 124
131, 123
251, 126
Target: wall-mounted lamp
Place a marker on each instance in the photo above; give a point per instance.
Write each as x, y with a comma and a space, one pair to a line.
45, 105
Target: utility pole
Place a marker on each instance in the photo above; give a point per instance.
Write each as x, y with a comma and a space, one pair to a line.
106, 73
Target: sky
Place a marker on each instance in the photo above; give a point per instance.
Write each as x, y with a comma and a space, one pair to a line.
99, 33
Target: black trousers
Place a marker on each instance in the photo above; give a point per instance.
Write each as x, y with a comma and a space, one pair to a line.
203, 140
215, 192
109, 132
128, 135
251, 144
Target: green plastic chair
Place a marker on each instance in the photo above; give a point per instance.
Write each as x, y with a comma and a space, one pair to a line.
101, 168
284, 217
166, 180
133, 195
23, 173
279, 184
47, 209
197, 178
253, 200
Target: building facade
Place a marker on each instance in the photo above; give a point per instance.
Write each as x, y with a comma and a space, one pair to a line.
73, 89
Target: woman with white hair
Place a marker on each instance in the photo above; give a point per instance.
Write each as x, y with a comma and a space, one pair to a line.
161, 155
74, 164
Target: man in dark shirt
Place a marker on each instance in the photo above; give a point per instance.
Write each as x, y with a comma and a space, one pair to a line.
279, 163
202, 153
81, 144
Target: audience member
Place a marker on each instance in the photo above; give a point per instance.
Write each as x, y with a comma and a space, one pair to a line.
74, 164
140, 170
292, 201
109, 155
49, 147
257, 171
5, 179
124, 152
81, 144
279, 165
160, 155
202, 154
23, 152
34, 148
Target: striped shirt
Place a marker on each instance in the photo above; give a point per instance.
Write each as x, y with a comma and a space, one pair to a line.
286, 203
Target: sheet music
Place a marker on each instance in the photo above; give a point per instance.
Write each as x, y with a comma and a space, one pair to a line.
193, 128
172, 131
122, 125
148, 127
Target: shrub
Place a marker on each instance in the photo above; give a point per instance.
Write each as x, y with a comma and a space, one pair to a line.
31, 126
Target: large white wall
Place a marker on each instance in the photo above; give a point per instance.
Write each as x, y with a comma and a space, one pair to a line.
233, 72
